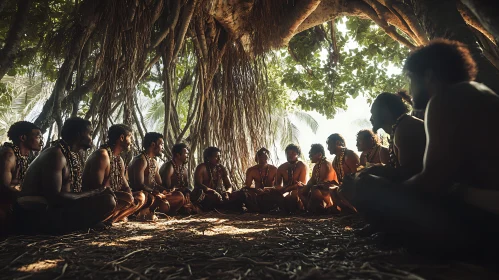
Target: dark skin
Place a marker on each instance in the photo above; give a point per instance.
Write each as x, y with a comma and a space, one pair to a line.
9, 183
167, 172
351, 159
366, 146
253, 174
49, 177
97, 175
202, 177
443, 164
285, 184
326, 173
139, 172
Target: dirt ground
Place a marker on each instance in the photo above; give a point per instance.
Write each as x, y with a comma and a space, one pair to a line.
223, 246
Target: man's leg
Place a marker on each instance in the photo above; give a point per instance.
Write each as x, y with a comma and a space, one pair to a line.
270, 199
176, 200
293, 202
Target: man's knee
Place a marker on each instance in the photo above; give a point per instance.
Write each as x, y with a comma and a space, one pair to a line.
107, 203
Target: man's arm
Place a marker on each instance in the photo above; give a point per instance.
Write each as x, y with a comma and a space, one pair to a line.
441, 161
138, 181
94, 173
278, 179
7, 166
363, 159
249, 178
157, 178
166, 176
410, 141
226, 180
124, 187
384, 155
352, 161
198, 177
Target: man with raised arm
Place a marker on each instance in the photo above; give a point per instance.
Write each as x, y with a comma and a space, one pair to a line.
14, 161
51, 198
105, 168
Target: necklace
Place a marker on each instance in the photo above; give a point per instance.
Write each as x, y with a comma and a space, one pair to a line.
263, 178
215, 183
115, 171
394, 162
317, 174
151, 164
22, 162
338, 164
372, 154
291, 173
179, 173
75, 165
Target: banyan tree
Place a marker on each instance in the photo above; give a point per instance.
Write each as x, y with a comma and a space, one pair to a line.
210, 54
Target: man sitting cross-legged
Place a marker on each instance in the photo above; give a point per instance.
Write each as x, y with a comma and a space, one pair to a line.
212, 186
144, 176
14, 161
105, 167
174, 176
51, 200
291, 176
262, 196
346, 161
316, 195
372, 152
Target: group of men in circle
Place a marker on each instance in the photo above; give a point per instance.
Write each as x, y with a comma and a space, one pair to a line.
432, 185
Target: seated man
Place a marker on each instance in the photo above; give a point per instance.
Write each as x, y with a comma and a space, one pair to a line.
174, 176
51, 200
14, 161
345, 161
292, 176
144, 176
372, 152
262, 196
452, 204
105, 168
316, 195
212, 186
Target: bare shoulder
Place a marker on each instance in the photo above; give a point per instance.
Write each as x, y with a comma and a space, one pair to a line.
283, 166
98, 155
272, 168
301, 164
6, 153
410, 126
165, 167
138, 161
350, 153
252, 169
201, 167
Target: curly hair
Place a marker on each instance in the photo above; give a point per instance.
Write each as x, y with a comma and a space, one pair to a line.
293, 147
450, 61
151, 137
336, 137
73, 127
19, 129
317, 148
115, 131
369, 135
209, 152
394, 102
177, 148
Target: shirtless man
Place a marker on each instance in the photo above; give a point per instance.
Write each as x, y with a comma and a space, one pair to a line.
144, 176
105, 168
14, 161
372, 152
345, 161
212, 185
259, 184
174, 176
51, 200
292, 176
316, 195
453, 202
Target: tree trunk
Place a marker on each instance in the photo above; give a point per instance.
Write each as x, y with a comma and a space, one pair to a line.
451, 25
488, 16
8, 53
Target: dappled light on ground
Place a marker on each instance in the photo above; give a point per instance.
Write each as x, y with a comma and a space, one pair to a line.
219, 246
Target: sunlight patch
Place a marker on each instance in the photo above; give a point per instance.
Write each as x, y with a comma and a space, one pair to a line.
216, 230
39, 266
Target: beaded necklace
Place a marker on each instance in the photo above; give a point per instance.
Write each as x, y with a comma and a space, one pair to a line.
179, 173
394, 162
151, 164
263, 178
75, 165
22, 162
338, 164
372, 154
317, 174
215, 183
115, 171
291, 172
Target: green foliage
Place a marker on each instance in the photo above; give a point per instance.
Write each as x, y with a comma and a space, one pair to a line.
322, 80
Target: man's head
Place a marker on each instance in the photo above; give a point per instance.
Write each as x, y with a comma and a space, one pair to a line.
292, 152
316, 153
335, 142
120, 135
366, 140
262, 156
211, 155
386, 108
77, 131
440, 63
180, 152
26, 134
153, 142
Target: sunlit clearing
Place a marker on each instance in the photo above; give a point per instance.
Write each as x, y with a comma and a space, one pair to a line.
103, 243
187, 221
134, 238
216, 230
39, 266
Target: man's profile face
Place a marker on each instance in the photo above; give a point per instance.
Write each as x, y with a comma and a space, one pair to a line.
362, 144
34, 141
291, 155
126, 141
214, 159
377, 118
314, 157
331, 146
419, 91
86, 138
158, 147
184, 156
262, 158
